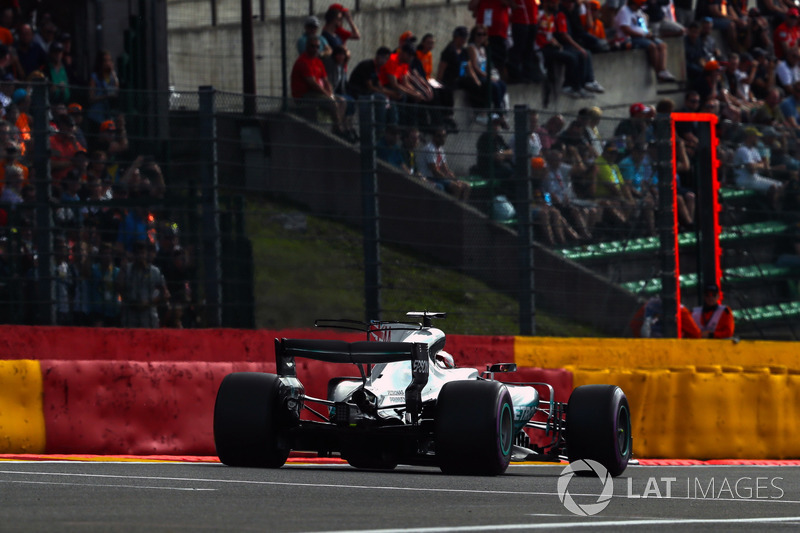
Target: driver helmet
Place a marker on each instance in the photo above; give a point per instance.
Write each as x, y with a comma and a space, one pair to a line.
445, 360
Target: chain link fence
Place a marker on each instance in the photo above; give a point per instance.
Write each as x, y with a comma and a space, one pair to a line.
276, 217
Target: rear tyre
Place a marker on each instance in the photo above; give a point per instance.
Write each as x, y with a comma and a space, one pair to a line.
599, 427
474, 428
247, 421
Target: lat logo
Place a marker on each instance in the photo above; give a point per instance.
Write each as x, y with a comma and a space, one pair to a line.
586, 509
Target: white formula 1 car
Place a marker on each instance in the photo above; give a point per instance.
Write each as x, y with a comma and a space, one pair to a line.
412, 405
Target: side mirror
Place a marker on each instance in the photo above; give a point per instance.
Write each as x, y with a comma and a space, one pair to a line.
502, 367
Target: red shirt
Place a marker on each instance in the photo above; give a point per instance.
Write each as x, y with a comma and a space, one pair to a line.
63, 148
787, 35
546, 29
305, 67
494, 15
392, 67
524, 12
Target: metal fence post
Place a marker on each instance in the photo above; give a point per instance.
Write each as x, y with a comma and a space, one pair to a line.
369, 202
522, 171
209, 182
666, 224
45, 292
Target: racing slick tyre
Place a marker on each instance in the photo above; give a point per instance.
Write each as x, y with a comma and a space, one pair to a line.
599, 427
474, 428
247, 421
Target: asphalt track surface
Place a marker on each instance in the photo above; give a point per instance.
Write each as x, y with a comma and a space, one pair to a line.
154, 497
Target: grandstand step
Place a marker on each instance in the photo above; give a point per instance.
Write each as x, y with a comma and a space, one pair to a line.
649, 245
767, 313
736, 275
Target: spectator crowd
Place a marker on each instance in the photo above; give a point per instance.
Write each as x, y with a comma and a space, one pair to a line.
117, 255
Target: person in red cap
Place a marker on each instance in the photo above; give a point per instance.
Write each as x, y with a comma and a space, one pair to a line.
334, 31
639, 127
787, 34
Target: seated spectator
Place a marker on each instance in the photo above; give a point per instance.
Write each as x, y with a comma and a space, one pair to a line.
773, 10
611, 191
452, 66
365, 83
575, 14
310, 86
695, 53
592, 21
787, 34
575, 41
558, 184
551, 36
790, 107
311, 27
770, 114
723, 20
75, 110
638, 172
484, 87
590, 120
410, 150
12, 188
631, 21
397, 82
661, 19
551, 130
787, 71
496, 158
749, 167
433, 166
534, 140
549, 222
336, 68
388, 149
764, 78
707, 36
638, 129
731, 81
11, 158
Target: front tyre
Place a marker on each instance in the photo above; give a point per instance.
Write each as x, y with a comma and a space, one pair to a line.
474, 428
599, 427
247, 421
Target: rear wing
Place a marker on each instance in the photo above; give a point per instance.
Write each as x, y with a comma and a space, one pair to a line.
359, 353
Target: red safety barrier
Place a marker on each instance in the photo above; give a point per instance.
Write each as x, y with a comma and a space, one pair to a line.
478, 351
132, 407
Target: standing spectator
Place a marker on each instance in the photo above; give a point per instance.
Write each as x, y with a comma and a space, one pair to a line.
103, 91
493, 15
425, 54
56, 73
433, 166
523, 65
143, 288
483, 85
64, 284
31, 56
310, 28
310, 86
748, 167
63, 146
631, 21
334, 31
714, 319
452, 66
105, 300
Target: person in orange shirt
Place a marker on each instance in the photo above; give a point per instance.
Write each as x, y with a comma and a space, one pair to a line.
714, 319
